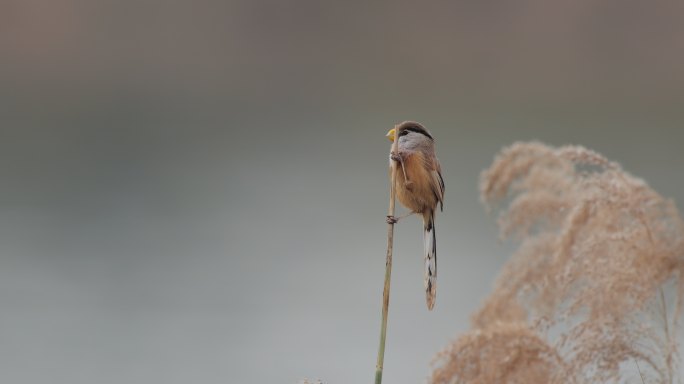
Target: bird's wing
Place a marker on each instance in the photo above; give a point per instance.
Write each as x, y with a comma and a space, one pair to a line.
437, 182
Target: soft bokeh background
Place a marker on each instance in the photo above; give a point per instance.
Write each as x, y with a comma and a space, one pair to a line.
196, 191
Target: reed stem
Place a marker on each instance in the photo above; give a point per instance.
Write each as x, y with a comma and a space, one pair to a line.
388, 268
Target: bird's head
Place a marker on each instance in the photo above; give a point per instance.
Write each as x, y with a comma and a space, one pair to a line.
409, 130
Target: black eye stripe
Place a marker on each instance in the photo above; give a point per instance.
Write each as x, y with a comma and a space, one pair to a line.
408, 129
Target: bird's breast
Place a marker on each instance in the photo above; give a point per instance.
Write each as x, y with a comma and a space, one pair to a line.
415, 193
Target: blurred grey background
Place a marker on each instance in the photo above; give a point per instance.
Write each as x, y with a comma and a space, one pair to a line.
196, 191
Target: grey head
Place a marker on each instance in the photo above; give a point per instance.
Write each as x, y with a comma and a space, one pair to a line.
414, 136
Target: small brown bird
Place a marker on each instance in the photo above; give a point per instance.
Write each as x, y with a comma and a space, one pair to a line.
420, 188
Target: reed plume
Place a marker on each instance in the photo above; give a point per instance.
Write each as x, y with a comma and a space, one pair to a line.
593, 293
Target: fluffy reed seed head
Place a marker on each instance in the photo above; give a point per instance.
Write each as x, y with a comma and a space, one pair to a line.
595, 287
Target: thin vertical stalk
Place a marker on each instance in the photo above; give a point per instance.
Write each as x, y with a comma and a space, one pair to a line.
388, 266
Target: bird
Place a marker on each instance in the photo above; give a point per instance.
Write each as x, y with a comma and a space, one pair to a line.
420, 188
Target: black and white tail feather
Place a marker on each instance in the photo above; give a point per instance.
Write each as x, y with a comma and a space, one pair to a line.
430, 254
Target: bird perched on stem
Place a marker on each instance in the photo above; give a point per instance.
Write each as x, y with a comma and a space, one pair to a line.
420, 188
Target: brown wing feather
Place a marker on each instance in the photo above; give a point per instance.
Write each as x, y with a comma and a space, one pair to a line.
437, 182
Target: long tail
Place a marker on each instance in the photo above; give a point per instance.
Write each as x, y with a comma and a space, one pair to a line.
430, 253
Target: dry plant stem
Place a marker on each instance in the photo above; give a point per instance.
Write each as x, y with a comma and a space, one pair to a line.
639, 369
388, 270
668, 358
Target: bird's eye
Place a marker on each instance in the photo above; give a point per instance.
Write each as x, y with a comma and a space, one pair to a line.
403, 133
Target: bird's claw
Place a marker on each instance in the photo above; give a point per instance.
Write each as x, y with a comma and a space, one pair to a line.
395, 157
392, 220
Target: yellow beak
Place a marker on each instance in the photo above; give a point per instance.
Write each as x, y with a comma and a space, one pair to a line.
390, 134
